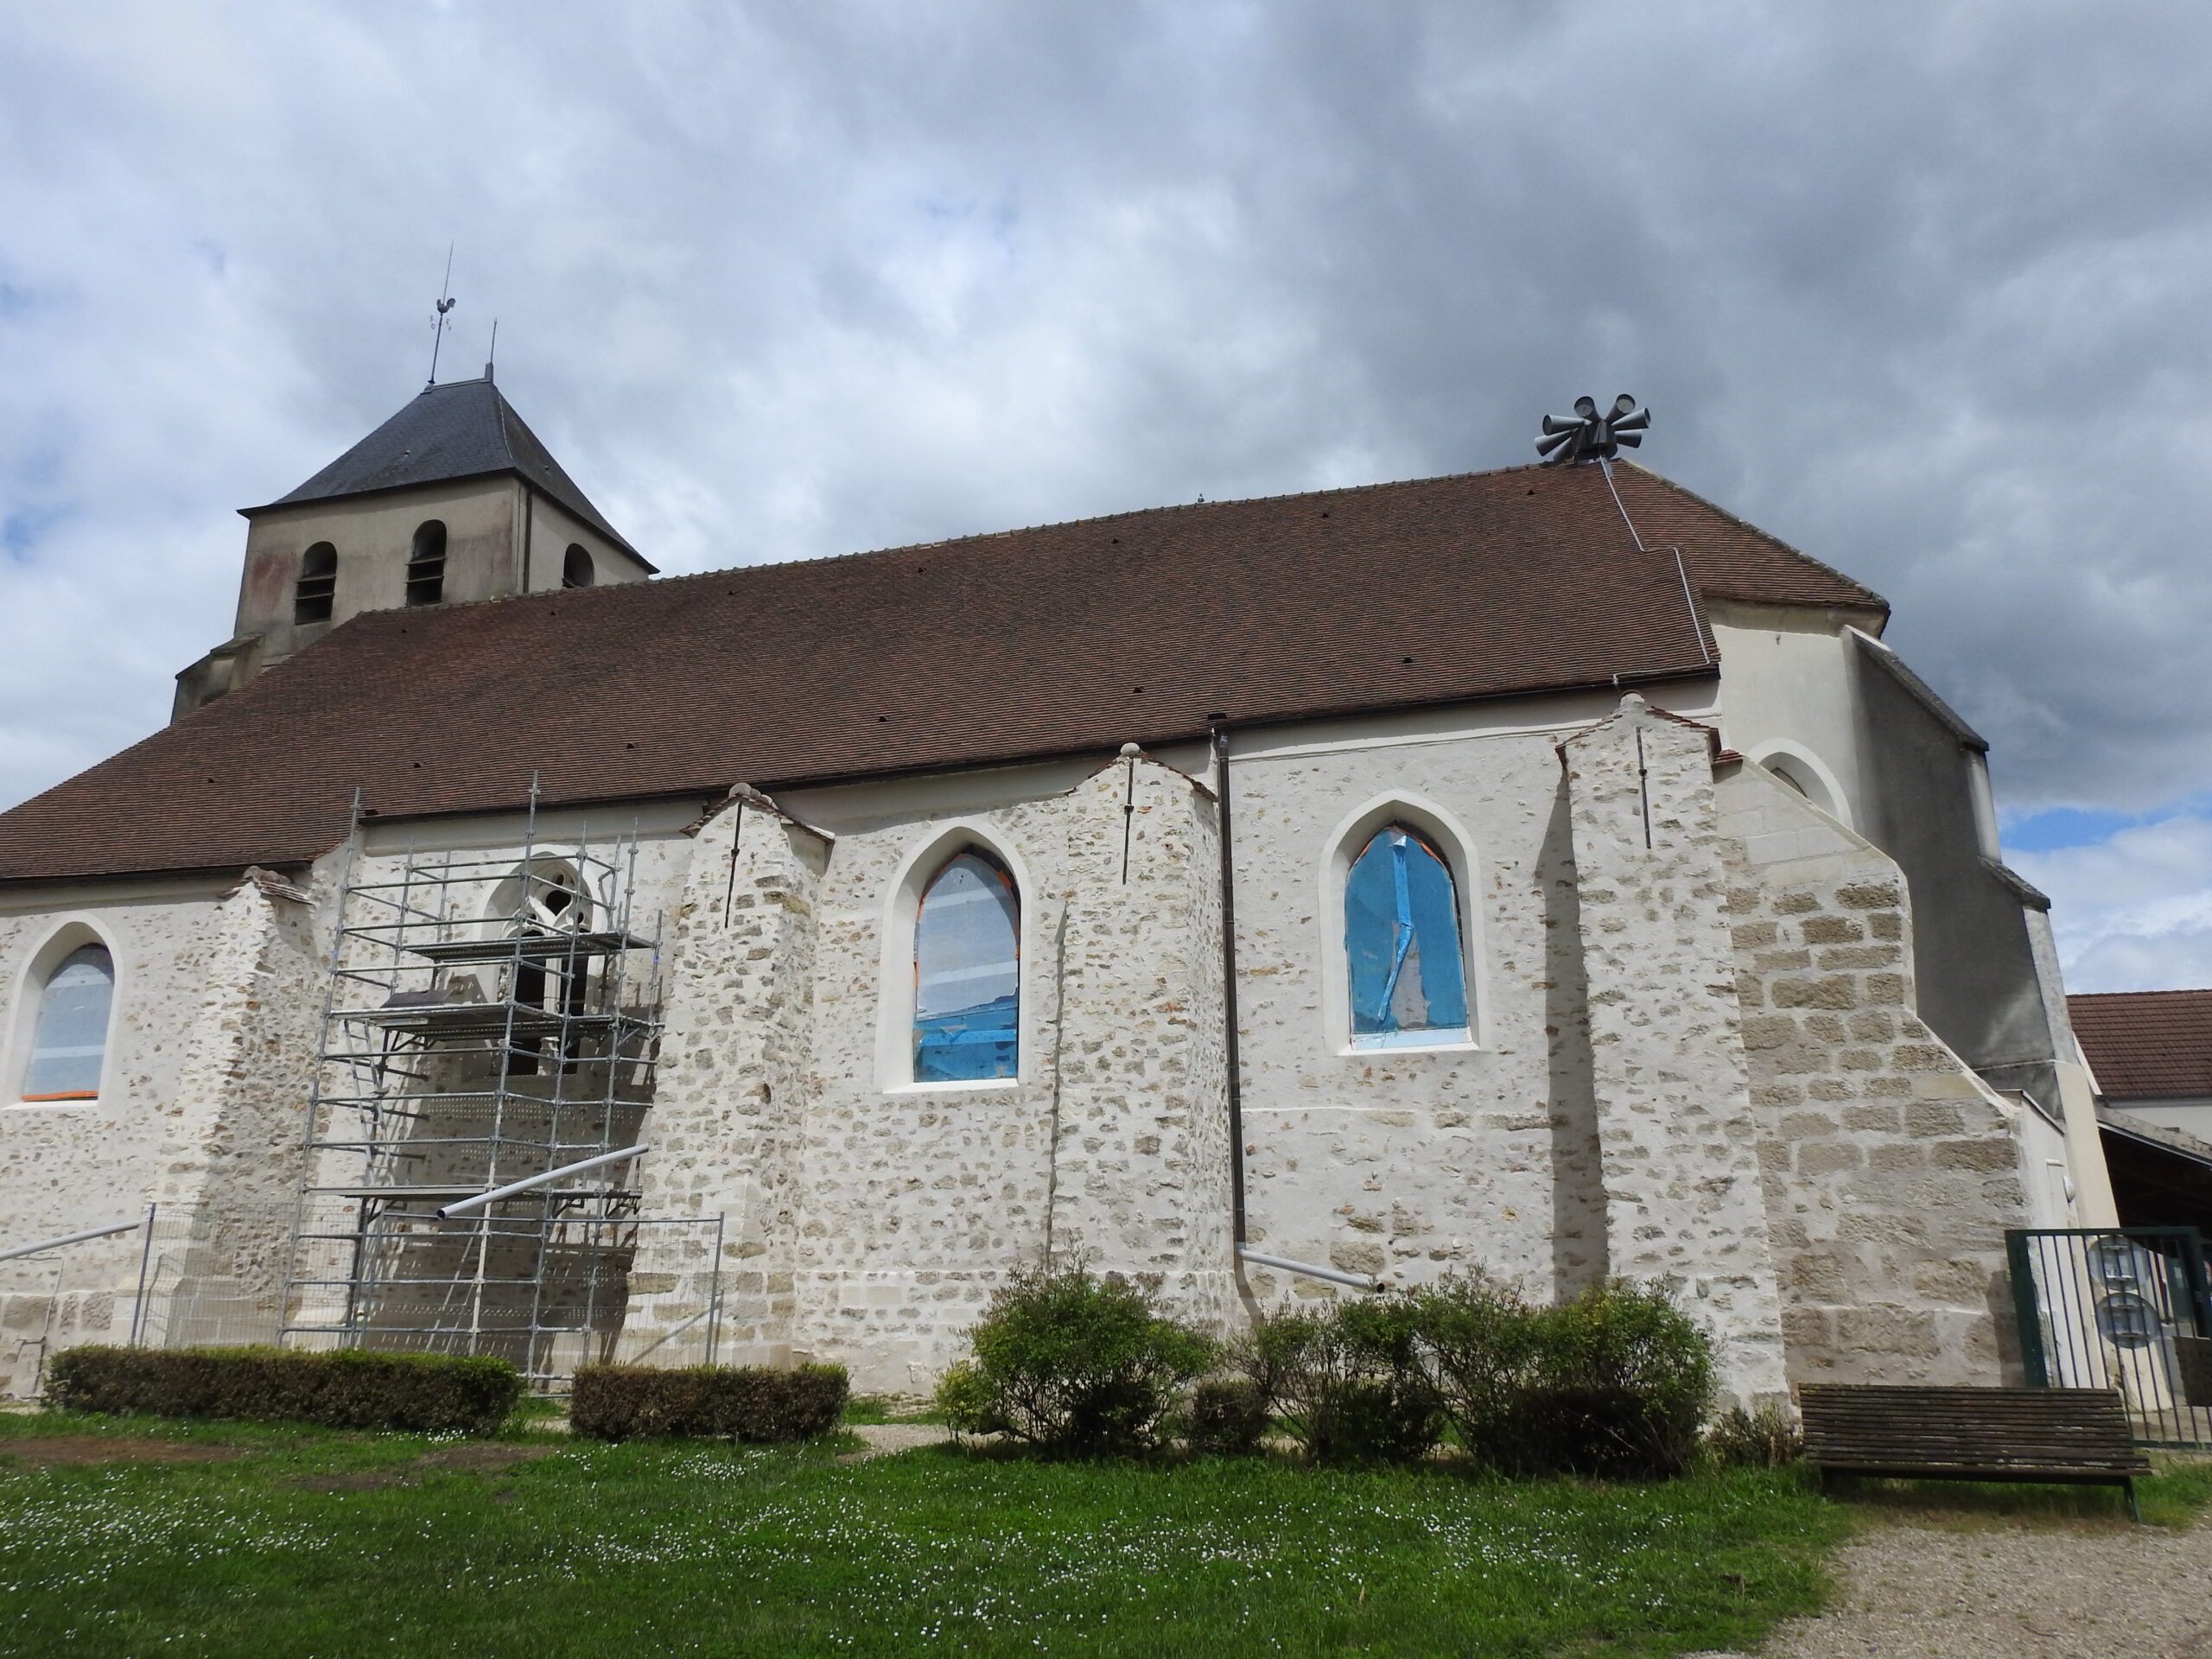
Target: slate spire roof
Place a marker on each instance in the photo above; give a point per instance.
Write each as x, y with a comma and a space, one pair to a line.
1063, 640
463, 429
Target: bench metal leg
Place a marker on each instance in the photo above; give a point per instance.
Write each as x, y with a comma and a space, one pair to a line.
2134, 1509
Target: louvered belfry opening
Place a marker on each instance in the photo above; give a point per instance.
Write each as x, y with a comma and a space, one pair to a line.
316, 591
426, 564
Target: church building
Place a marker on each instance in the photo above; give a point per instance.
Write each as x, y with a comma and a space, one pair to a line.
1539, 872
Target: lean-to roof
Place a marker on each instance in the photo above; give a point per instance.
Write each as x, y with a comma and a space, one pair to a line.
2146, 1045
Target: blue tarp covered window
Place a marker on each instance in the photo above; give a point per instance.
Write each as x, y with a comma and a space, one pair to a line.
71, 1038
968, 973
1401, 932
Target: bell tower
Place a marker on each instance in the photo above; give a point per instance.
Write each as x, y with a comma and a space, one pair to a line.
452, 499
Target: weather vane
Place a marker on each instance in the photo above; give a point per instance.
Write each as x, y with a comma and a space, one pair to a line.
446, 302
1588, 435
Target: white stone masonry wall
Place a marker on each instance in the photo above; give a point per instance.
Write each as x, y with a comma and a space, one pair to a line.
919, 1200
1676, 1133
232, 1152
1891, 1170
1139, 1177
726, 1123
1414, 1162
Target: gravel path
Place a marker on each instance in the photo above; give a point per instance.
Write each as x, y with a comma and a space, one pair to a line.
893, 1437
1919, 1593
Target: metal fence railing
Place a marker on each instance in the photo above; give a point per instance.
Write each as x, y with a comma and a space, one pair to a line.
549, 1295
2127, 1308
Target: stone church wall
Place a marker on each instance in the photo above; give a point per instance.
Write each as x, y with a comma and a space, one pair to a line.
228, 1173
1694, 1057
727, 1124
916, 1200
1891, 1170
65, 1166
1411, 1163
1676, 1132
213, 1032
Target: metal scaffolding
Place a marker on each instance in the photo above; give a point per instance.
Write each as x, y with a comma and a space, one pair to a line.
491, 1019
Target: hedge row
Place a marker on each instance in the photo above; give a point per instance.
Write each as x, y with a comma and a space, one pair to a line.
741, 1402
1616, 1381
343, 1389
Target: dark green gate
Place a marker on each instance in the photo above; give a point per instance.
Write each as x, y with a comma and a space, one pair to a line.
2125, 1308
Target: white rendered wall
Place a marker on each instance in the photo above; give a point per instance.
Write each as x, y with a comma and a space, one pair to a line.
1786, 691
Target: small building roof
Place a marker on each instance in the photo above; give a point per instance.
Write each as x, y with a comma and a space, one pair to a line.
1148, 626
462, 429
2146, 1045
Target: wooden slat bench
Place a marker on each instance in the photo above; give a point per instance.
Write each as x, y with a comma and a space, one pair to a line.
2077, 1436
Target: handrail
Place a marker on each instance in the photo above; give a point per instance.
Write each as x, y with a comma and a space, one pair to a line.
460, 1205
1356, 1281
71, 1238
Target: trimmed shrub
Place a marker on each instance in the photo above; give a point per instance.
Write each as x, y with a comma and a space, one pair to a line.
965, 1399
1228, 1418
736, 1402
1481, 1346
1615, 1383
1074, 1365
1349, 1382
1766, 1437
1628, 1380
346, 1387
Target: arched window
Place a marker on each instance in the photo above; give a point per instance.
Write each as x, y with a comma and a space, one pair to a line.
576, 569
968, 973
70, 1040
1801, 772
426, 563
1408, 973
546, 901
318, 585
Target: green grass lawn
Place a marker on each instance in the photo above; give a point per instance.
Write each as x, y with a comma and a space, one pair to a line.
309, 1541
305, 1541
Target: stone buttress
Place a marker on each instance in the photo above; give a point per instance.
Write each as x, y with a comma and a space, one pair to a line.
1140, 1174
1677, 1138
1891, 1170
227, 1178
724, 1129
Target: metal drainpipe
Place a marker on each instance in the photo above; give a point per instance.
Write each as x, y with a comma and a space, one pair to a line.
529, 514
1235, 1064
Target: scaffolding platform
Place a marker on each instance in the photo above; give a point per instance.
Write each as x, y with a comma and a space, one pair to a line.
540, 948
491, 1019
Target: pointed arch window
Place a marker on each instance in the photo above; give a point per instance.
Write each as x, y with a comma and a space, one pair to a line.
426, 563
317, 588
968, 973
1407, 963
69, 1042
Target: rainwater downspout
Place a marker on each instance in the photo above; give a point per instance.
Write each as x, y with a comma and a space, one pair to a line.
1231, 1060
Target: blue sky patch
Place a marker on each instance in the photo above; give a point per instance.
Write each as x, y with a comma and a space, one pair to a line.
2058, 827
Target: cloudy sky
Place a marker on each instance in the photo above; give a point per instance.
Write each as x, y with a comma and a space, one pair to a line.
1921, 287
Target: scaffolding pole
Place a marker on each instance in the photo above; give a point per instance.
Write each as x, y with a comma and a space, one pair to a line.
491, 1026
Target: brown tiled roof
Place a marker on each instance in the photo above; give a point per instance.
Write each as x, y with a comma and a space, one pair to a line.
1144, 626
2146, 1045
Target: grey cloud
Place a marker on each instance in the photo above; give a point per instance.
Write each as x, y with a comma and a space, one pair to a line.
1911, 285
